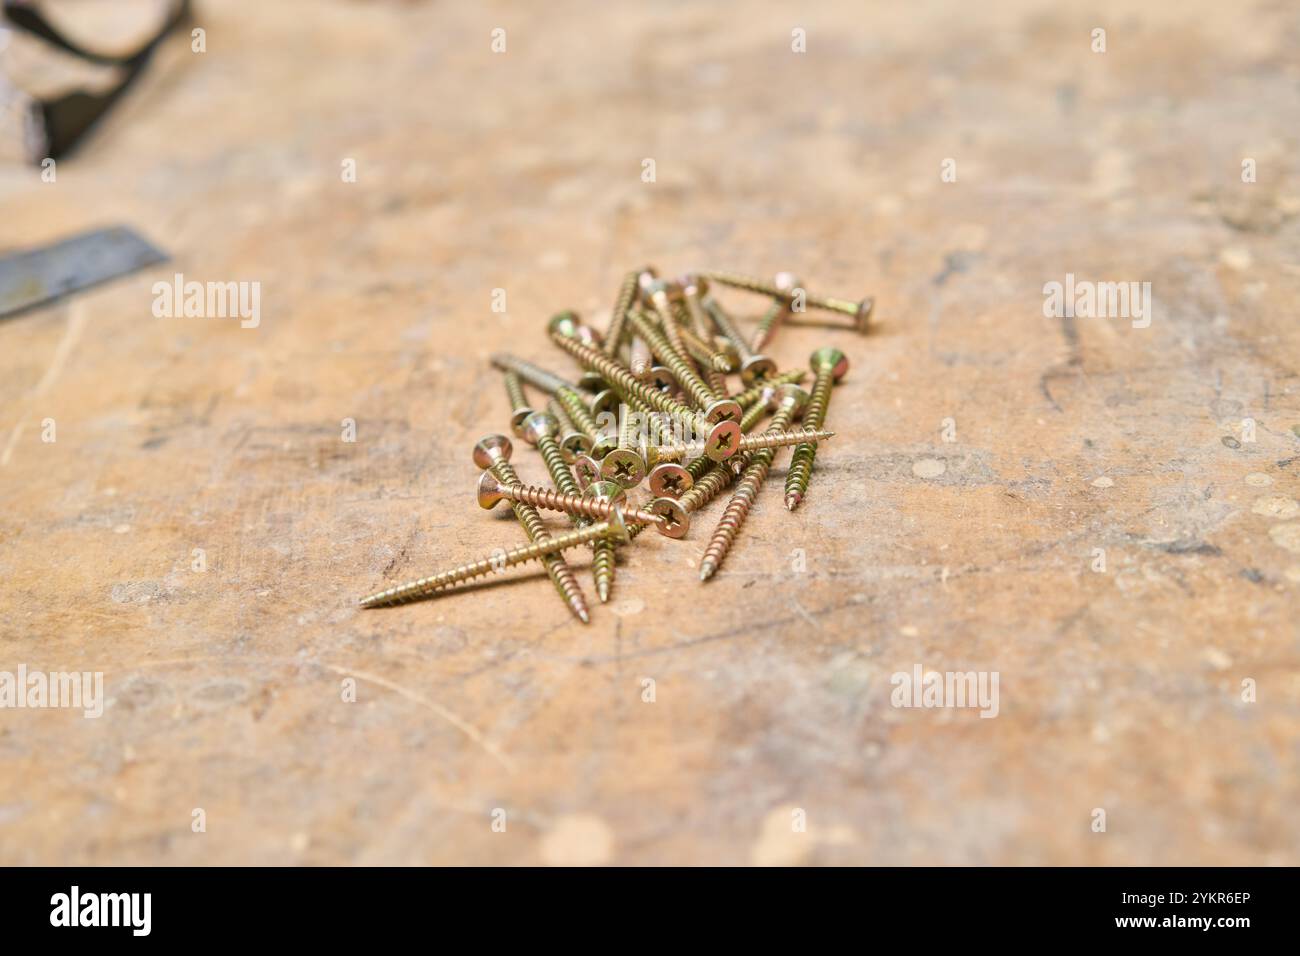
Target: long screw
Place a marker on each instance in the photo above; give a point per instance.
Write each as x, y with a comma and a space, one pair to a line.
714, 408
613, 529
860, 311
618, 317
569, 396
829, 366
492, 453
773, 438
757, 394
753, 366
721, 436
491, 491
790, 399
519, 407
540, 431
778, 310
640, 360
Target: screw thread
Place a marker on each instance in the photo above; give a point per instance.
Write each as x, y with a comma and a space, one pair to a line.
773, 437
574, 504
618, 318
662, 345
707, 487
623, 380
489, 565
534, 375
724, 535
639, 358
748, 283
561, 574
727, 327
768, 323
515, 392
755, 393
753, 415
705, 354
799, 474
553, 456
602, 565
578, 411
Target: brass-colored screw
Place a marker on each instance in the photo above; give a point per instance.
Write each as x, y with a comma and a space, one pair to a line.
772, 438
714, 408
753, 366
541, 430
492, 453
572, 441
789, 399
618, 317
722, 436
579, 409
860, 311
613, 529
640, 360
829, 366
780, 307
491, 491
519, 407
602, 552
669, 480
757, 394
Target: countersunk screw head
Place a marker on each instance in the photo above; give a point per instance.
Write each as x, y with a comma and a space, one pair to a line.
618, 526
605, 400
517, 420
676, 522
602, 446
862, 318
565, 324
489, 491
669, 480
723, 410
722, 441
693, 284
539, 425
606, 491
663, 379
624, 467
491, 447
574, 444
756, 368
831, 358
586, 470
792, 394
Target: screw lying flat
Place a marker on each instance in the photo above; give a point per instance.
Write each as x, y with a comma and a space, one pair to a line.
714, 409
772, 438
789, 399
860, 311
779, 309
613, 529
758, 392
753, 366
491, 491
829, 366
492, 453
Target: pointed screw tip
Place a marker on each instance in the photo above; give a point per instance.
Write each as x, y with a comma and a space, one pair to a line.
706, 571
792, 502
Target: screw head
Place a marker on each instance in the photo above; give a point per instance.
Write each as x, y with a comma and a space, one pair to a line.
491, 447
606, 491
669, 480
517, 420
586, 470
723, 441
651, 286
565, 324
831, 358
574, 444
618, 526
676, 520
624, 467
591, 382
756, 368
538, 425
489, 490
723, 410
787, 282
603, 445
663, 379
693, 284
728, 348
788, 394
863, 316
605, 400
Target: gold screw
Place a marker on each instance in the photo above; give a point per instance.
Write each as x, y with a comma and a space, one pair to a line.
491, 491
772, 438
757, 394
753, 366
714, 408
519, 408
829, 366
778, 310
789, 400
613, 529
492, 453
860, 311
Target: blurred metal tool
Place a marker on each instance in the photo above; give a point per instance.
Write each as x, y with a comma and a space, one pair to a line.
37, 276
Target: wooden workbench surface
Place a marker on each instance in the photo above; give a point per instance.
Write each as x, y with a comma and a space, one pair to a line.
1120, 689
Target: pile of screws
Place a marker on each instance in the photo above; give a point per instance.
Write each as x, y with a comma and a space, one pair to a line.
653, 405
